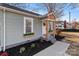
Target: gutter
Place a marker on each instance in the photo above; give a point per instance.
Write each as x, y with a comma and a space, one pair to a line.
18, 12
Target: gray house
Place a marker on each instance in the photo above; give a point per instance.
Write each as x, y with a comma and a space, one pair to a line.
18, 26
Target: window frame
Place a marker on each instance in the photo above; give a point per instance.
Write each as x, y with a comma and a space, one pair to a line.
50, 26
27, 18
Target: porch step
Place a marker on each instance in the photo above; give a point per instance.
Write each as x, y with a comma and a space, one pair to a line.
51, 38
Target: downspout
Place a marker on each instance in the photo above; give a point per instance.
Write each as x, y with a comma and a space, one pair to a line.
4, 29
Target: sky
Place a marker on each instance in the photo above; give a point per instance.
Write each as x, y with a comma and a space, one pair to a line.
74, 14
41, 10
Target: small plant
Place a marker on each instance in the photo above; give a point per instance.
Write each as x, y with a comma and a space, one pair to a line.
32, 45
41, 40
22, 49
50, 30
28, 34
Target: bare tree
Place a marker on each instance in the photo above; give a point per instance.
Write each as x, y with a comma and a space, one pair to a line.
56, 8
74, 5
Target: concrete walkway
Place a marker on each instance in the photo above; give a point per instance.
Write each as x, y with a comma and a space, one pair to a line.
57, 49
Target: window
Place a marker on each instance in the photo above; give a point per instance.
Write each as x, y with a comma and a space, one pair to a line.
50, 26
28, 25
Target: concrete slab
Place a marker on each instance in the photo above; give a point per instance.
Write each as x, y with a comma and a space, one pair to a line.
57, 49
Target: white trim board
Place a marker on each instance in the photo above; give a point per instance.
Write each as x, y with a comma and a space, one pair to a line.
18, 12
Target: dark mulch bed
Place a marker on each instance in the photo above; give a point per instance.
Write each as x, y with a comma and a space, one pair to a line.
38, 45
59, 38
70, 30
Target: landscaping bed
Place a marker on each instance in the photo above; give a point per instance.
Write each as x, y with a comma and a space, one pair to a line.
70, 30
59, 38
29, 49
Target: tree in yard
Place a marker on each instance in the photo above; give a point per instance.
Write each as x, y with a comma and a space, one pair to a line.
55, 8
74, 5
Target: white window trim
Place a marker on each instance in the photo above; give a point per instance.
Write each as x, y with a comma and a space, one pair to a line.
25, 18
51, 24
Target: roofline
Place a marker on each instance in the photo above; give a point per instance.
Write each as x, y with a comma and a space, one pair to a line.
17, 10
23, 12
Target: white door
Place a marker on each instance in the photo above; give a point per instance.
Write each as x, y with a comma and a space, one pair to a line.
43, 28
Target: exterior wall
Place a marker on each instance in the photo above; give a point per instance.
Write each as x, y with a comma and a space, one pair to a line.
1, 28
37, 27
69, 26
15, 28
77, 27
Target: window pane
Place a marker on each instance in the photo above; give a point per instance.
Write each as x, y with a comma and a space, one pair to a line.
28, 26
50, 26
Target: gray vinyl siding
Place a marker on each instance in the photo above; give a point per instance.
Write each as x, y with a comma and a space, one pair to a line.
15, 28
1, 28
38, 27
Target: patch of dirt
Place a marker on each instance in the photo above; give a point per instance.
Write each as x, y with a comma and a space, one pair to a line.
73, 49
67, 41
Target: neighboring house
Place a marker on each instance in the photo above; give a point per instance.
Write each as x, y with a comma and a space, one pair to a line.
68, 25
60, 24
75, 25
